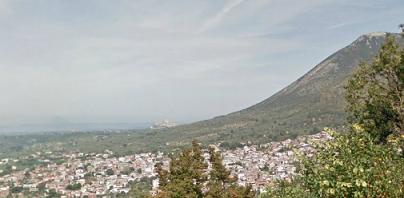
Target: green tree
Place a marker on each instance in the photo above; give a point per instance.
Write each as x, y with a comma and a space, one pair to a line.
53, 194
375, 93
73, 187
140, 189
286, 189
110, 172
16, 189
186, 174
188, 177
221, 183
162, 174
219, 173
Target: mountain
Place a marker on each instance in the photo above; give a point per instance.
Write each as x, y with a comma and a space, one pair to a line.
314, 101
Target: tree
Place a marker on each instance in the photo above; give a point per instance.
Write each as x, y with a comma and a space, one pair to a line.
401, 26
220, 177
221, 182
219, 173
53, 194
73, 187
188, 177
186, 174
162, 174
140, 189
16, 189
375, 93
110, 172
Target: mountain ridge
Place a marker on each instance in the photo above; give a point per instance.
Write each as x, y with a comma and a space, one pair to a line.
307, 105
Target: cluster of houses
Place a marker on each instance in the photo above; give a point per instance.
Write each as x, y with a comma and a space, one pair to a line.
263, 164
84, 175
98, 175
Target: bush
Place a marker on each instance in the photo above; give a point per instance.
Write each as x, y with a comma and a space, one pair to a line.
352, 165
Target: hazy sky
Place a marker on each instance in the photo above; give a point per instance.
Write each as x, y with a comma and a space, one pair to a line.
135, 61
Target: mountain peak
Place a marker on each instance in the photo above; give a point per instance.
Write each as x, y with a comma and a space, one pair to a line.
378, 35
375, 34
372, 36
371, 39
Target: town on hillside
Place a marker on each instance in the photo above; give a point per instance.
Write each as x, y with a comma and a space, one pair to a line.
104, 174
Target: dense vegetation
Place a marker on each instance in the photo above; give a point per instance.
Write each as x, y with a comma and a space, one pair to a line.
352, 165
368, 161
375, 93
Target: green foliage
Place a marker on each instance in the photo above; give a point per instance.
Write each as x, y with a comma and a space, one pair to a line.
73, 187
352, 165
186, 174
219, 173
109, 172
221, 183
53, 194
286, 189
187, 177
7, 169
16, 189
140, 189
375, 93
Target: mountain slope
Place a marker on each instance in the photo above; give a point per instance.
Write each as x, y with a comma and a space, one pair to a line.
311, 103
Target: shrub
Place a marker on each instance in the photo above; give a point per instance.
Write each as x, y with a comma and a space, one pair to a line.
351, 165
